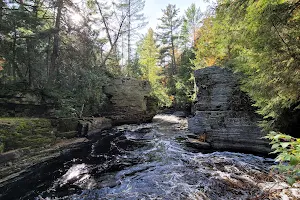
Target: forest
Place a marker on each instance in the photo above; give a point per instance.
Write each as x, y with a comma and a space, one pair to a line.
71, 49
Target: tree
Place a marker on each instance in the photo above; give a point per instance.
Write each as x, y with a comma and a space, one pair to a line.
148, 60
168, 35
54, 65
135, 21
113, 33
40, 42
191, 22
260, 40
168, 31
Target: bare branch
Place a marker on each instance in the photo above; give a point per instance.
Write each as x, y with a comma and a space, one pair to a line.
115, 41
105, 23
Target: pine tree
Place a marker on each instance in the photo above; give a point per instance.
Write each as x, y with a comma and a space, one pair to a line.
135, 21
168, 35
192, 21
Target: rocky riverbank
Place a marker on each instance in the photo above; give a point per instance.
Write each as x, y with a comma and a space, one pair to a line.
30, 135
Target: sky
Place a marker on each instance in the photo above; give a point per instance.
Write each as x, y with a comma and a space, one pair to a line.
153, 9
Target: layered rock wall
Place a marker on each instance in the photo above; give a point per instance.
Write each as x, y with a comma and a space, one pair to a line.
19, 101
129, 101
224, 114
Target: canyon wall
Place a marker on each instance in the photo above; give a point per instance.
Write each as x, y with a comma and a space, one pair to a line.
224, 113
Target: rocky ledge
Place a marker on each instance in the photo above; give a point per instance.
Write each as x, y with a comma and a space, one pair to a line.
129, 101
223, 115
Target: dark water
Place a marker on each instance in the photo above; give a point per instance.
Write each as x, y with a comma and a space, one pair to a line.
148, 161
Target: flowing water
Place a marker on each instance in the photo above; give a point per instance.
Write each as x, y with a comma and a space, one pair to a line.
151, 161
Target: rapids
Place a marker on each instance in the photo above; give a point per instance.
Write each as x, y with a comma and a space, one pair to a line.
151, 161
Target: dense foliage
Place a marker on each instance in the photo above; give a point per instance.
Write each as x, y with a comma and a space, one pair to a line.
68, 49
260, 39
289, 155
148, 60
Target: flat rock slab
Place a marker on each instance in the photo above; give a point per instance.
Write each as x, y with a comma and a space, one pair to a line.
197, 144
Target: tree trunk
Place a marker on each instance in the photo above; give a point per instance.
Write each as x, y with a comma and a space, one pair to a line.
129, 29
48, 56
55, 50
15, 70
173, 55
1, 12
30, 47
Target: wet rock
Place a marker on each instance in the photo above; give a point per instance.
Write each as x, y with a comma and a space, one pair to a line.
129, 101
180, 114
122, 167
225, 114
18, 167
91, 127
197, 144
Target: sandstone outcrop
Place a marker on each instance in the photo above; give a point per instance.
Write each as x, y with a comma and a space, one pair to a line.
129, 101
224, 114
19, 101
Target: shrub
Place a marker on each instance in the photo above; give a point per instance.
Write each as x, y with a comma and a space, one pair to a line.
288, 158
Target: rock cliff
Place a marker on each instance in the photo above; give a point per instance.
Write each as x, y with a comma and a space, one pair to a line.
224, 114
20, 101
129, 101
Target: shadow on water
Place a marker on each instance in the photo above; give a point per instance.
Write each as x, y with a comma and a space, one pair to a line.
143, 162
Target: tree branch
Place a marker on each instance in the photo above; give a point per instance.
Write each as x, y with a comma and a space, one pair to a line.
115, 41
105, 24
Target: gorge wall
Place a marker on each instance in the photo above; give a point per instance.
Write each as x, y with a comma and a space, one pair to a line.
224, 114
129, 101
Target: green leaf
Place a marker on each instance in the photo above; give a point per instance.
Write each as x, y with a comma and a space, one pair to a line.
294, 160
285, 144
290, 180
275, 146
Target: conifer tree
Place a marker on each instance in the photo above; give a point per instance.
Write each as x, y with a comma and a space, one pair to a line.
148, 60
168, 36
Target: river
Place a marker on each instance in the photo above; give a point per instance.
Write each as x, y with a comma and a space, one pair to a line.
148, 161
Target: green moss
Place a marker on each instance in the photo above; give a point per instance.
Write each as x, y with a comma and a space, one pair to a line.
68, 135
25, 132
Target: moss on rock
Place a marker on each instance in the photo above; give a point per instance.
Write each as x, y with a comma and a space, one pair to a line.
25, 132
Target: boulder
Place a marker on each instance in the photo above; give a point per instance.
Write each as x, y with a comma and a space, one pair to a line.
224, 113
90, 127
129, 101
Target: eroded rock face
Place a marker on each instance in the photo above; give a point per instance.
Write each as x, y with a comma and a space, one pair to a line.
224, 114
129, 101
14, 103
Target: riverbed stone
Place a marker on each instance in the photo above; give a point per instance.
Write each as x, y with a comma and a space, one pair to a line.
224, 113
91, 127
